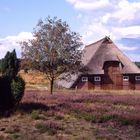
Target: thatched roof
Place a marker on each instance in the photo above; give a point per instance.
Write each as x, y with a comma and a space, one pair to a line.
96, 54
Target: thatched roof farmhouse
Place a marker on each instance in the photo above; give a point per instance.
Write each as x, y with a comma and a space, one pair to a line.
108, 68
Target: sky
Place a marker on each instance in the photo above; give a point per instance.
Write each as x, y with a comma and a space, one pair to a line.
92, 19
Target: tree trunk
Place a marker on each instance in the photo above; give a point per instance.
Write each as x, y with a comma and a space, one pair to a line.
51, 85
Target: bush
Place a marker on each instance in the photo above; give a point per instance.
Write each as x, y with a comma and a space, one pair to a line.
9, 65
6, 98
11, 92
17, 89
11, 86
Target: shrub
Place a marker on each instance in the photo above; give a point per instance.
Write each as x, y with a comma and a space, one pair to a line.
11, 86
6, 98
9, 65
17, 89
11, 92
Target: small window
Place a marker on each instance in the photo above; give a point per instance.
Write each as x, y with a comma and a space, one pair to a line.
137, 78
125, 78
97, 78
84, 79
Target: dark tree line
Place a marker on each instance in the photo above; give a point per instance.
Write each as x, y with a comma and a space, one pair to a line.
138, 64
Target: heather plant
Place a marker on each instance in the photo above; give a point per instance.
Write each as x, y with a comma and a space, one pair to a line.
77, 116
90, 107
59, 116
50, 126
41, 127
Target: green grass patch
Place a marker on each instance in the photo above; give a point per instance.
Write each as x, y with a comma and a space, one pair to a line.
35, 114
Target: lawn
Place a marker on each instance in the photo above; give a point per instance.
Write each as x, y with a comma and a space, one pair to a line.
74, 116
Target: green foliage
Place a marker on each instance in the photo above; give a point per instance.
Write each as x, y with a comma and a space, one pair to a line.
10, 65
11, 92
35, 115
11, 86
6, 98
17, 89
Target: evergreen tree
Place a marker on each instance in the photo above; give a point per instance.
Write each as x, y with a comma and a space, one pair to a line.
10, 65
11, 85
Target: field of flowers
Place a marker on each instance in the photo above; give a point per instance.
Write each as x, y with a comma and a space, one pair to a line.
74, 116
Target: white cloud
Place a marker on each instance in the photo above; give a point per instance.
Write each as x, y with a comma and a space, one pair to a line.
125, 11
115, 18
94, 32
115, 21
122, 47
79, 16
89, 4
12, 42
106, 17
127, 31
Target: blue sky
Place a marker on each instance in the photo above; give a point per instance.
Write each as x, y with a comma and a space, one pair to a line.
93, 19
22, 15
